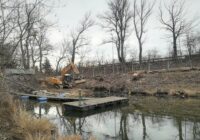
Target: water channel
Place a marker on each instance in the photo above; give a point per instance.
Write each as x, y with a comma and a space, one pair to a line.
142, 119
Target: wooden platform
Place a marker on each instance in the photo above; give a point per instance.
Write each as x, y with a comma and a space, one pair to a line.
87, 113
52, 98
94, 103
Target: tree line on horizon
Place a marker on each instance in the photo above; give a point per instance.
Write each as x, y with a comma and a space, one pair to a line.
24, 30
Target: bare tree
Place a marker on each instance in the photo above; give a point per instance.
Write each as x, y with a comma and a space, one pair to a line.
173, 19
190, 44
133, 55
100, 57
31, 26
152, 54
20, 22
26, 18
42, 45
198, 44
141, 14
79, 38
62, 54
116, 23
7, 26
83, 53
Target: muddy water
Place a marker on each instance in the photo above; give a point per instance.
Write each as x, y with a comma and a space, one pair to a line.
142, 119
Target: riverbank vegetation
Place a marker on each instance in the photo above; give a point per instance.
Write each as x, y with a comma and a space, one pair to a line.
18, 124
178, 83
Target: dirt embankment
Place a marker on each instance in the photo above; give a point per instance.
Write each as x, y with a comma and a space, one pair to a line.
180, 83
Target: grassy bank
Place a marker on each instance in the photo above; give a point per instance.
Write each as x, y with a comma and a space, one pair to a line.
179, 83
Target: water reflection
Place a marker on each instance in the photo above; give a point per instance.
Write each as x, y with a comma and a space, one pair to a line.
125, 123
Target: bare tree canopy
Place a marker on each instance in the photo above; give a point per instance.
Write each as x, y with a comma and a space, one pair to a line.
23, 28
141, 14
116, 22
79, 38
191, 43
63, 54
7, 28
174, 19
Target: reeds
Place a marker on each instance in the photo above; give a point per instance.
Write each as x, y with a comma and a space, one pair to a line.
20, 125
27, 127
17, 124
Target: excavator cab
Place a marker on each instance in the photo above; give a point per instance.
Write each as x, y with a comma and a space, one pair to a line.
67, 74
68, 78
67, 81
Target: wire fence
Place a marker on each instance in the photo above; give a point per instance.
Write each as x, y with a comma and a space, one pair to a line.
147, 65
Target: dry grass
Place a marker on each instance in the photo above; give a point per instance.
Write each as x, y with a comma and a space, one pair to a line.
173, 82
28, 128
69, 138
73, 138
17, 124
20, 125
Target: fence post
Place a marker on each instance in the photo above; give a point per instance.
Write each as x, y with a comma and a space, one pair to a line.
132, 66
190, 61
80, 97
113, 68
149, 66
93, 72
168, 65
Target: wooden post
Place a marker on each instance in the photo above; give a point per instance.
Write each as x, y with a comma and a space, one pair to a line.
168, 65
93, 72
190, 61
149, 67
80, 97
132, 66
113, 68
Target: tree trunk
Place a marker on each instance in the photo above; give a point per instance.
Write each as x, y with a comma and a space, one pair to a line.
140, 53
27, 58
57, 65
73, 54
174, 47
179, 123
41, 57
144, 127
27, 46
32, 57
118, 54
123, 126
23, 53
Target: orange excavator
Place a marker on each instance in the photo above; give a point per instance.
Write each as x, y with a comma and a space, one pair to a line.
66, 78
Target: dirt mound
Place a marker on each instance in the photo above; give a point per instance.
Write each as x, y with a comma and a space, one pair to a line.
22, 83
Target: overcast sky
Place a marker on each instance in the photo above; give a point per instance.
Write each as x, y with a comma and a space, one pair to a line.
68, 13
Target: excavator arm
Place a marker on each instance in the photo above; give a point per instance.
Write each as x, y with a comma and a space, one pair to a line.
71, 68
